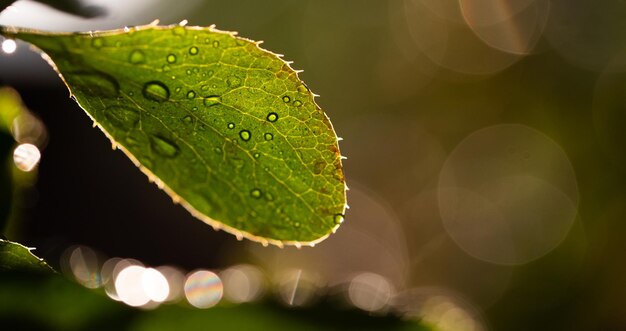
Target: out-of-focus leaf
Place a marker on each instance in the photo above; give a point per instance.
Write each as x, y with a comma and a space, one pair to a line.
16, 257
223, 126
75, 7
10, 108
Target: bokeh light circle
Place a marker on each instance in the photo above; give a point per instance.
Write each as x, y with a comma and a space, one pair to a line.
507, 194
203, 289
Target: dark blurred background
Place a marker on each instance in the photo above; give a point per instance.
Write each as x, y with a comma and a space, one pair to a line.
485, 144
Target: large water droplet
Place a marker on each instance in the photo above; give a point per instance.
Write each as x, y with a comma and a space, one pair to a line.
122, 116
231, 125
164, 147
193, 50
286, 98
137, 57
245, 135
272, 117
100, 84
256, 193
191, 95
338, 218
268, 136
212, 100
156, 91
171, 58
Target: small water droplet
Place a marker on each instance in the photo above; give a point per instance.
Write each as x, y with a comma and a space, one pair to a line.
272, 117
177, 89
217, 150
137, 57
164, 147
166, 67
286, 98
131, 93
231, 125
212, 100
257, 155
171, 58
188, 119
188, 72
216, 44
296, 224
191, 95
256, 193
302, 88
269, 196
233, 81
297, 103
97, 42
338, 218
194, 108
156, 91
268, 136
245, 135
193, 50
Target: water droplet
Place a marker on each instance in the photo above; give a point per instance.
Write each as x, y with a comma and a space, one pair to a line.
137, 57
268, 136
231, 125
272, 117
338, 218
297, 103
302, 88
217, 150
256, 193
156, 91
191, 95
188, 72
257, 155
97, 42
179, 30
233, 81
122, 116
193, 50
194, 108
171, 58
216, 44
188, 119
286, 98
296, 224
101, 84
164, 147
177, 89
212, 100
245, 135
166, 67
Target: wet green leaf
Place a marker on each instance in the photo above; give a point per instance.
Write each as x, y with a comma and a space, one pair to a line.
16, 257
225, 127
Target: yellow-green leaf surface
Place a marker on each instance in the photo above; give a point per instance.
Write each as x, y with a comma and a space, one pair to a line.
223, 126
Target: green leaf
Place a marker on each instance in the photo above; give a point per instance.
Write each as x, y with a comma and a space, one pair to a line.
223, 126
16, 257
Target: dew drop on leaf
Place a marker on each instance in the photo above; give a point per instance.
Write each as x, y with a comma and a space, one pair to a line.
164, 147
211, 100
286, 99
257, 155
136, 57
216, 44
122, 116
97, 42
156, 91
297, 103
338, 218
191, 95
272, 117
231, 125
245, 135
255, 193
171, 58
268, 136
187, 119
193, 50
